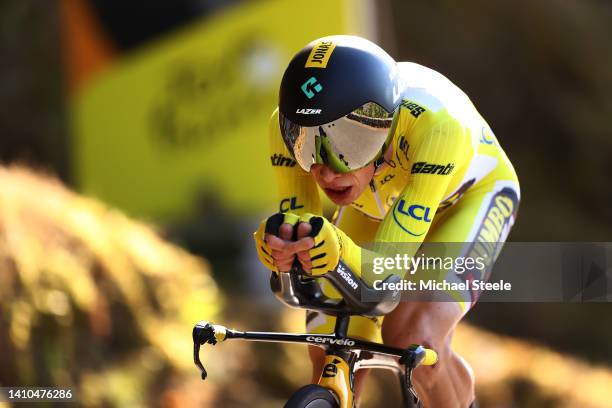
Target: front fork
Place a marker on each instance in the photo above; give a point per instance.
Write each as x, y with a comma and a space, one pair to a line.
338, 376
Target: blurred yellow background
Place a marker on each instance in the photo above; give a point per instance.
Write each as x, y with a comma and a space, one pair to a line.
185, 114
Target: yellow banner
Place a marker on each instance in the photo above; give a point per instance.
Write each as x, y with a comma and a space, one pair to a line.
187, 116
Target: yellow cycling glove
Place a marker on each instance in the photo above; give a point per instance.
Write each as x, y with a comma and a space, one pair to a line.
271, 225
331, 245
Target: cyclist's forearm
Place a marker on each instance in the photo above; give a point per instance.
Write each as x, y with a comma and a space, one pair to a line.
374, 264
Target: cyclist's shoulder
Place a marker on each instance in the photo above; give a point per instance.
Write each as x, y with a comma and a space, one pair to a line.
429, 92
423, 81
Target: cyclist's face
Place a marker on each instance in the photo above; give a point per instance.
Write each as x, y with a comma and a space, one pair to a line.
342, 188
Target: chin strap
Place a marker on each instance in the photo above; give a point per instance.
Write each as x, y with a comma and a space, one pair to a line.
377, 164
380, 160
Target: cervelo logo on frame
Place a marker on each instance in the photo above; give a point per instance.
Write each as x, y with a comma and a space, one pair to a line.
310, 85
320, 54
328, 340
415, 211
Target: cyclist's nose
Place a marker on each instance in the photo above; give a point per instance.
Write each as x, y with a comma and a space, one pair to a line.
327, 174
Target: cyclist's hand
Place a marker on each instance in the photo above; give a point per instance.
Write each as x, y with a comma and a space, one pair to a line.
330, 246
274, 243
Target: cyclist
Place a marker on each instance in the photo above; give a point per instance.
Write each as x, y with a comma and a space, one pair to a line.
407, 158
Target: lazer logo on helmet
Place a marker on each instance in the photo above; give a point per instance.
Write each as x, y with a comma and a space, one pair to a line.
328, 340
310, 87
432, 168
320, 54
306, 111
415, 211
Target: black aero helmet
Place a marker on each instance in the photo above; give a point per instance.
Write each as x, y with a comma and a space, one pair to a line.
336, 103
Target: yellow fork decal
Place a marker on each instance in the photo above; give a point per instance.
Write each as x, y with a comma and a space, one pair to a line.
336, 377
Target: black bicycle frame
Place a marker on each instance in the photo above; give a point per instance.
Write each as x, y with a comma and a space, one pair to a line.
359, 353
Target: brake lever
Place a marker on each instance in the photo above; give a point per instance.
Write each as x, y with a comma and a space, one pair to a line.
411, 357
203, 332
198, 363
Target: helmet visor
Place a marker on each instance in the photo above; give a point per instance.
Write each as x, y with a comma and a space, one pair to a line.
345, 144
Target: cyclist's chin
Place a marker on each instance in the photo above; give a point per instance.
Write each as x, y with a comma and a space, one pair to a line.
342, 196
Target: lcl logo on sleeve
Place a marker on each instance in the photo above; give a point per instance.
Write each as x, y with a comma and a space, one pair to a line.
415, 211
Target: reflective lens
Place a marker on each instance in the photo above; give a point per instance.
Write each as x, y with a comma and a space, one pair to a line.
346, 144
